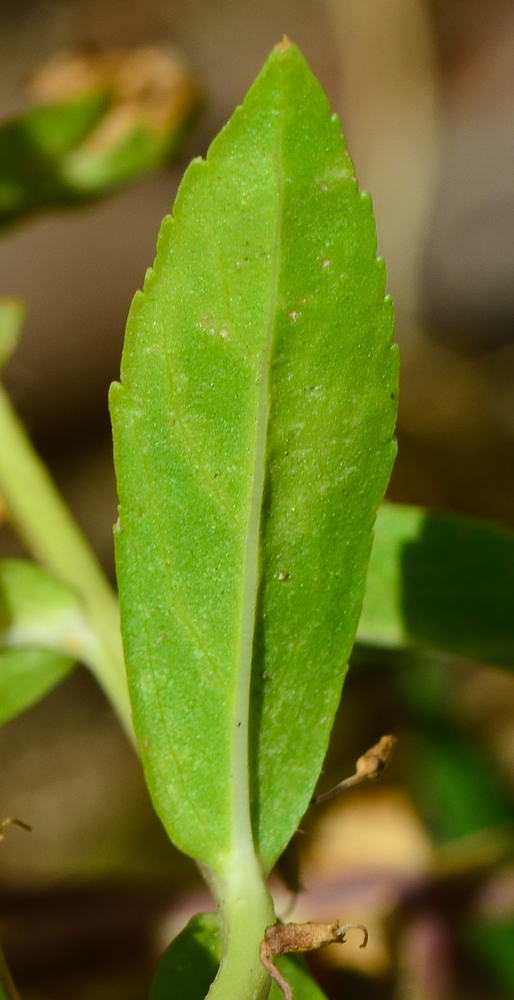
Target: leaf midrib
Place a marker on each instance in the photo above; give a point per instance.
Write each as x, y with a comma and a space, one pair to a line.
243, 842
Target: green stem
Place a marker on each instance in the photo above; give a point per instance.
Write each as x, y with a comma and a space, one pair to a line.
8, 990
246, 910
48, 529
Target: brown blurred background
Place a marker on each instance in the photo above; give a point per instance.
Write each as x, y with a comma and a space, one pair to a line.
426, 95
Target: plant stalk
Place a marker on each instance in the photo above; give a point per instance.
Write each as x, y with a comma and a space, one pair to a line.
246, 910
51, 534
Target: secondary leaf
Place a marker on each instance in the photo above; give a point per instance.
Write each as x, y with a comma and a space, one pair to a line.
43, 632
38, 512
454, 788
253, 442
40, 612
190, 963
493, 941
26, 676
103, 119
446, 583
297, 974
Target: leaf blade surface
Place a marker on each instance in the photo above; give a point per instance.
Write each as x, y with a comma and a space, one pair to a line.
253, 442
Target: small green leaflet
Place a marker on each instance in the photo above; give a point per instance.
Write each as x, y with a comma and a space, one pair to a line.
32, 146
27, 673
455, 790
493, 941
253, 432
66, 151
190, 963
442, 582
38, 611
26, 676
43, 632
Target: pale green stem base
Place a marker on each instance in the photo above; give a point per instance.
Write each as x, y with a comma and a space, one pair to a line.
246, 910
52, 536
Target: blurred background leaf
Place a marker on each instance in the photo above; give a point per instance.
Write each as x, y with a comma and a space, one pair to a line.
12, 313
443, 583
26, 675
102, 119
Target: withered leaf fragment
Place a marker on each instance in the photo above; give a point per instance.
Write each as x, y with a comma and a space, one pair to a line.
283, 939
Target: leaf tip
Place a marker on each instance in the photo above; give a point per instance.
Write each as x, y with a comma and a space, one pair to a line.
114, 388
285, 44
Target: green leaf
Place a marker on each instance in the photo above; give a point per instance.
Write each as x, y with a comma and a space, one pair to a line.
38, 611
31, 147
44, 630
94, 131
295, 970
12, 314
446, 583
88, 171
189, 964
253, 442
454, 788
52, 130
493, 941
26, 676
50, 533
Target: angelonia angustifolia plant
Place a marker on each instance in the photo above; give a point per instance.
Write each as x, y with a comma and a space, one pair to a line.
253, 438
253, 433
